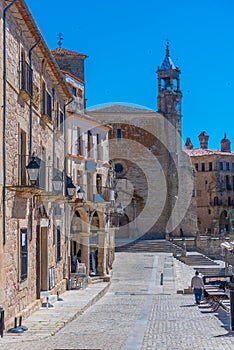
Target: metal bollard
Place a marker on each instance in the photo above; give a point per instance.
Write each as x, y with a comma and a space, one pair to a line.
2, 326
161, 280
17, 329
58, 297
232, 308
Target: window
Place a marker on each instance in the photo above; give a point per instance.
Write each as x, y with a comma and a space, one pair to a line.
229, 201
48, 105
220, 165
209, 211
57, 115
216, 201
118, 134
41, 182
90, 144
99, 147
228, 185
232, 166
59, 257
46, 102
74, 91
118, 169
23, 254
61, 120
202, 166
196, 166
227, 166
210, 166
78, 142
80, 93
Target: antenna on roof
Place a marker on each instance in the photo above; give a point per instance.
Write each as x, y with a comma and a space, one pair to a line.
167, 48
60, 37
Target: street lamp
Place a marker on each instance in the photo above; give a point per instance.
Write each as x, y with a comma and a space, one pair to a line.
71, 189
80, 194
33, 169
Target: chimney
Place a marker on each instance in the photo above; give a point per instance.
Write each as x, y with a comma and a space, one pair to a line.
188, 144
203, 138
225, 144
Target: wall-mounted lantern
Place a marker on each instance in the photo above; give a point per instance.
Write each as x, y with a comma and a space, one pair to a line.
80, 193
57, 182
71, 189
33, 169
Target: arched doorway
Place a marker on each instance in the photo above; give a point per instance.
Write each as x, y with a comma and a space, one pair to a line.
223, 222
122, 222
75, 246
94, 228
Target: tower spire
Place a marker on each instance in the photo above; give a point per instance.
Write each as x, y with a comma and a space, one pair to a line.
167, 49
169, 94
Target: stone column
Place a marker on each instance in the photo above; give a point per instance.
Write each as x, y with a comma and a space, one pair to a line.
102, 252
84, 246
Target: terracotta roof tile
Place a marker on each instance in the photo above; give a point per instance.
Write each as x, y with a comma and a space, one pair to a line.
204, 152
60, 51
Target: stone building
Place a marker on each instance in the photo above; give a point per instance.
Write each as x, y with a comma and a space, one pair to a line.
33, 243
154, 176
214, 171
91, 232
56, 179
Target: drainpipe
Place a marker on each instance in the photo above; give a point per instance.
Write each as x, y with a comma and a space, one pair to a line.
65, 206
65, 162
65, 139
30, 110
30, 137
4, 120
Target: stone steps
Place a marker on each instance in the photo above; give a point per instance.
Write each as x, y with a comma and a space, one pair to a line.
195, 260
156, 246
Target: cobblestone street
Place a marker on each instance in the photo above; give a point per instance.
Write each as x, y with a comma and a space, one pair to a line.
141, 312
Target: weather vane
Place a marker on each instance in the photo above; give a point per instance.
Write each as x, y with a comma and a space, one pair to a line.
60, 37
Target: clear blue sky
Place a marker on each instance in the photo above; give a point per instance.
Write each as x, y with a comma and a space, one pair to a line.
125, 41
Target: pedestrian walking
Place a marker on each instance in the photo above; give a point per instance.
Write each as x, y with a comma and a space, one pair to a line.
198, 286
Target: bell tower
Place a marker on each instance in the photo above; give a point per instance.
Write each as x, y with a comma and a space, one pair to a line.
169, 94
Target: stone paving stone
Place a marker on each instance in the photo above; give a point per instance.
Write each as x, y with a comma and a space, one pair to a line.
138, 313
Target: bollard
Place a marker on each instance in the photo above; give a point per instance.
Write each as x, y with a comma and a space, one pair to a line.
161, 280
232, 308
47, 304
16, 329
2, 327
58, 298
20, 324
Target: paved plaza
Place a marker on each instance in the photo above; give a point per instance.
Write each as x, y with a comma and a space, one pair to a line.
140, 309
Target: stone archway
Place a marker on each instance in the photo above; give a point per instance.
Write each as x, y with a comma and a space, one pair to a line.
122, 222
79, 238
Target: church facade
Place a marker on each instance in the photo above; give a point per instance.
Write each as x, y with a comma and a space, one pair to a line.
155, 180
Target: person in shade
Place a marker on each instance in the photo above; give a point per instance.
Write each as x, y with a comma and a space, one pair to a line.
197, 285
